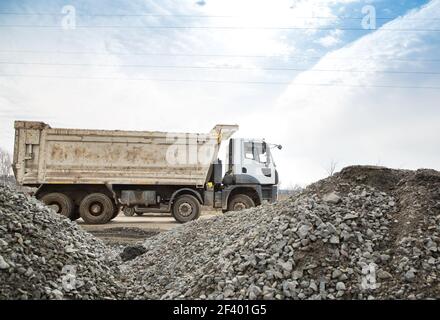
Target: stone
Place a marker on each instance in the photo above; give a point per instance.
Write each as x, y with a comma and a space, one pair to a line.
286, 266
340, 286
254, 292
303, 231
336, 273
3, 264
382, 274
350, 216
334, 239
410, 275
332, 197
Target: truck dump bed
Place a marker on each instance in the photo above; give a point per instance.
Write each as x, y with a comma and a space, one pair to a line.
45, 155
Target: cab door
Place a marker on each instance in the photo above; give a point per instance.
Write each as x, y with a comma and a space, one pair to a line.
256, 161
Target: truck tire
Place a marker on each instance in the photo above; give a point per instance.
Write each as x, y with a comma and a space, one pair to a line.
186, 208
60, 203
240, 202
96, 208
128, 211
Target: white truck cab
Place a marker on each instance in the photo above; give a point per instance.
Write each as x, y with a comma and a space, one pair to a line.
251, 170
251, 159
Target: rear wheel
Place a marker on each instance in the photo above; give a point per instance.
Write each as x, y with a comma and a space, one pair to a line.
186, 208
128, 211
240, 202
60, 203
96, 208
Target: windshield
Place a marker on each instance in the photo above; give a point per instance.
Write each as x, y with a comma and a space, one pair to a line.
258, 152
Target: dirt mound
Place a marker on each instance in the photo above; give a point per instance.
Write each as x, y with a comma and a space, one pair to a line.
44, 256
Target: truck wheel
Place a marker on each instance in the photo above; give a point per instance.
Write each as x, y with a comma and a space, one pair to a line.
240, 202
186, 208
60, 203
96, 208
128, 211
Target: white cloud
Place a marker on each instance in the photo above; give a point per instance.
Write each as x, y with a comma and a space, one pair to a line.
356, 125
314, 124
330, 40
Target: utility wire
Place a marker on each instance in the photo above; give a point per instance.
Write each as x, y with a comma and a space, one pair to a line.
214, 55
217, 68
207, 81
217, 28
203, 16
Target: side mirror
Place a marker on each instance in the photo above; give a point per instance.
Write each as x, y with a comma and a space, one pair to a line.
279, 147
264, 147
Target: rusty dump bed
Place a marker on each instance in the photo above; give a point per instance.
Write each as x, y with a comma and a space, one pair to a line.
45, 155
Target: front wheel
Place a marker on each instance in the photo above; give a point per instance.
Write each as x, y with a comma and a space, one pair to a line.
186, 208
240, 202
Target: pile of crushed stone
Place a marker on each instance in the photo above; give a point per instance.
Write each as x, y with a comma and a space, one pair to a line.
45, 256
365, 233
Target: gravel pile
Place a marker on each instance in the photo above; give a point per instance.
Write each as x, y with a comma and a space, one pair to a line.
45, 256
365, 233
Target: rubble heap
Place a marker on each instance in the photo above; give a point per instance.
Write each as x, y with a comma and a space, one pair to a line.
365, 233
45, 256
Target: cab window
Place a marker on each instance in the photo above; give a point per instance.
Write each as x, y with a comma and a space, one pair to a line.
255, 151
260, 153
249, 150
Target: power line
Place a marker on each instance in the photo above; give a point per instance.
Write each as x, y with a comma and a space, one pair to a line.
203, 16
217, 68
217, 28
207, 81
214, 55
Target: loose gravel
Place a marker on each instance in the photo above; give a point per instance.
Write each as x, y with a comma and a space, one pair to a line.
45, 256
364, 233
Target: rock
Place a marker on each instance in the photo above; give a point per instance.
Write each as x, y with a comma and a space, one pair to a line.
303, 231
382, 274
410, 275
3, 264
57, 294
350, 216
254, 292
286, 266
313, 286
340, 286
334, 239
332, 197
336, 273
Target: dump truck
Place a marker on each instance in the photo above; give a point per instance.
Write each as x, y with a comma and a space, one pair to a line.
94, 174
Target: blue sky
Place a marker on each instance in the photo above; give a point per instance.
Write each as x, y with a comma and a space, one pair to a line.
265, 61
